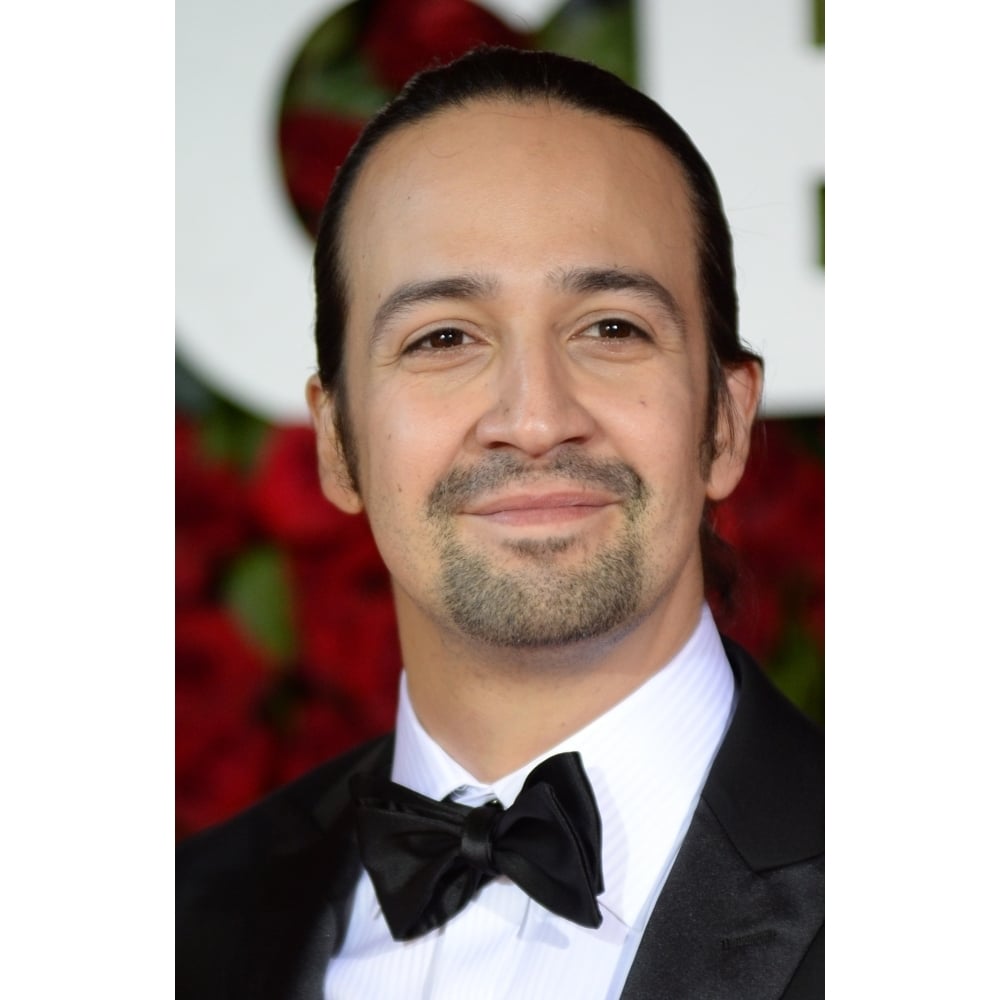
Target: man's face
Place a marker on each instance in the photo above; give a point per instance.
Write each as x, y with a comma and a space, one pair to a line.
526, 375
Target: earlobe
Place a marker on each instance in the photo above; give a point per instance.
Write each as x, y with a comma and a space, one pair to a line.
744, 383
334, 477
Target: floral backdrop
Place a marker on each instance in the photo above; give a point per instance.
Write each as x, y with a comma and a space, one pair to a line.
286, 649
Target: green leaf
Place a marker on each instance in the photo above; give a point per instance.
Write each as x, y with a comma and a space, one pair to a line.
329, 73
231, 434
333, 39
256, 590
797, 670
226, 432
602, 33
347, 89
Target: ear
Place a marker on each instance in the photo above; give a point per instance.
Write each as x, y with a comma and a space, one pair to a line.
334, 478
733, 426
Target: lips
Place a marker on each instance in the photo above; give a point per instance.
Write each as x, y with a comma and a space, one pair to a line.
541, 502
535, 508
503, 488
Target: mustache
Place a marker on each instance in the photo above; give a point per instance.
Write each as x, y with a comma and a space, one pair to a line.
498, 469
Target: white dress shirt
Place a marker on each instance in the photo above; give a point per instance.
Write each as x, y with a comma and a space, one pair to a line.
647, 759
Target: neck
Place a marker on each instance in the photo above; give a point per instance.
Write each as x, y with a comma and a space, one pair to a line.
494, 710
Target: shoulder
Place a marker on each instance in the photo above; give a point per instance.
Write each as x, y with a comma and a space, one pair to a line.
251, 891
767, 783
289, 816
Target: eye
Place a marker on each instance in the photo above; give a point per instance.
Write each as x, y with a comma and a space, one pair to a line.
442, 339
615, 329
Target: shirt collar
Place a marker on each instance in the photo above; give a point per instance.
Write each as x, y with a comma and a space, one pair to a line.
647, 759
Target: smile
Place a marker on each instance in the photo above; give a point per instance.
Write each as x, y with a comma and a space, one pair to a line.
525, 509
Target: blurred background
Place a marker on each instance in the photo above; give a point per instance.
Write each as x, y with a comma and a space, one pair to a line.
286, 650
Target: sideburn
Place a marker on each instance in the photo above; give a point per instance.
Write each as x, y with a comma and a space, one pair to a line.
343, 430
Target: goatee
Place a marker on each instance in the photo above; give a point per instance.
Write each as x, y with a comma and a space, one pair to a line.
540, 603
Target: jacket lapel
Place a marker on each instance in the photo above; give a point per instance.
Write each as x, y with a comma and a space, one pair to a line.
303, 896
744, 899
720, 930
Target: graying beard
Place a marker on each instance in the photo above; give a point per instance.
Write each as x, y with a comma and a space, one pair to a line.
501, 610
541, 606
540, 546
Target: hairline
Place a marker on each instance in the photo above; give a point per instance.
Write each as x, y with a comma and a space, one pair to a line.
513, 100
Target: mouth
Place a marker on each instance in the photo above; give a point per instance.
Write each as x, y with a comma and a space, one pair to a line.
513, 501
541, 508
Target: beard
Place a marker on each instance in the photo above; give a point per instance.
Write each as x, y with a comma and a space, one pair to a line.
540, 603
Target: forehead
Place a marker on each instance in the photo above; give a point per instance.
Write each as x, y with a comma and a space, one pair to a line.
514, 186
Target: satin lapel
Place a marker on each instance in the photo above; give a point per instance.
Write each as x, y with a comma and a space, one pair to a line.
302, 899
744, 900
720, 931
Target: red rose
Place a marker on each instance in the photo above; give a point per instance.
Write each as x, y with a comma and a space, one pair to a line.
814, 617
285, 493
211, 515
321, 730
404, 36
192, 572
757, 620
775, 516
807, 485
234, 775
329, 583
221, 749
313, 145
775, 522
347, 625
360, 660
220, 680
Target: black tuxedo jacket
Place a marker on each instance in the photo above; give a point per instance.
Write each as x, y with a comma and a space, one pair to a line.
263, 900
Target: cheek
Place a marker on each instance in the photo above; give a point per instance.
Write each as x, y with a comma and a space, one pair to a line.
408, 447
661, 424
660, 436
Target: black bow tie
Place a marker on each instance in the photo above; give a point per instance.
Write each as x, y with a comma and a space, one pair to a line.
427, 859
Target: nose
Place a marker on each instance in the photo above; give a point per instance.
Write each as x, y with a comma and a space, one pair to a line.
536, 404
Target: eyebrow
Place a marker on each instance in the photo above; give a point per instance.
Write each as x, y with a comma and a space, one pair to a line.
412, 293
576, 280
584, 280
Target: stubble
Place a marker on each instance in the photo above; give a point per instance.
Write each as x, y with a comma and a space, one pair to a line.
542, 602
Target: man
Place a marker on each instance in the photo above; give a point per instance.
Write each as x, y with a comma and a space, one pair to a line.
531, 383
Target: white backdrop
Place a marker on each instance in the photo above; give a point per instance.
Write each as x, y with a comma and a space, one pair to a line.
743, 80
